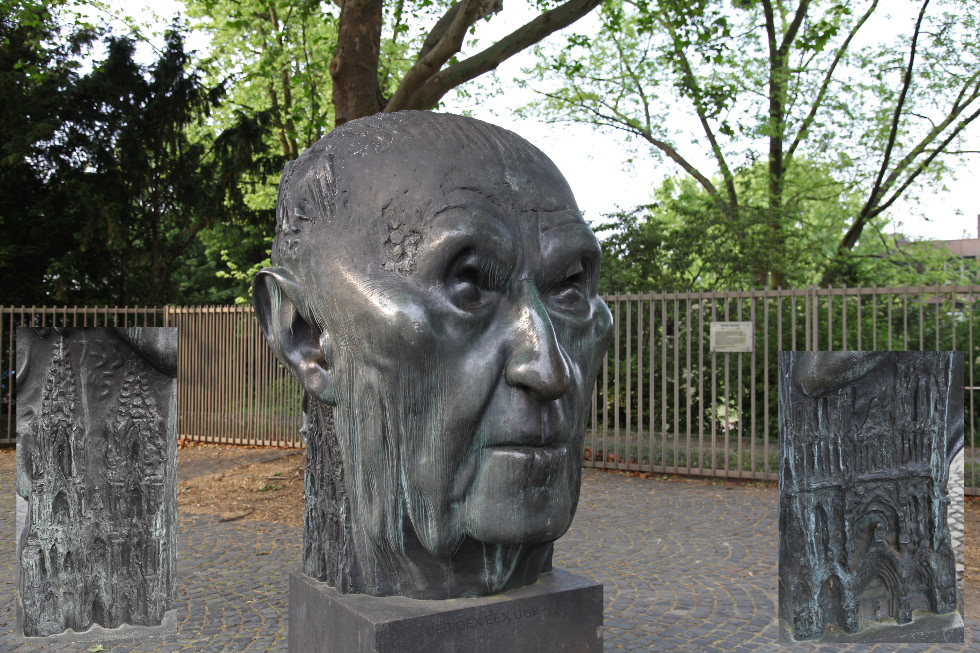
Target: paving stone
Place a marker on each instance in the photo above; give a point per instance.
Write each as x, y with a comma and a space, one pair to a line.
686, 567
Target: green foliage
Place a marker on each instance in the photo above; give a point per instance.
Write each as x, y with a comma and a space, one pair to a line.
687, 242
104, 193
747, 98
274, 57
38, 63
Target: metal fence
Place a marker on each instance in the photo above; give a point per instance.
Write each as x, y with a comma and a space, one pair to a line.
230, 388
664, 403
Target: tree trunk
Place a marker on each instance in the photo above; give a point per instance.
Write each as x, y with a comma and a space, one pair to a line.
354, 68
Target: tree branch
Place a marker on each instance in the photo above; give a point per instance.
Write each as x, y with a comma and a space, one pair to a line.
448, 35
794, 27
871, 211
876, 190
818, 102
684, 163
699, 108
426, 95
622, 123
922, 166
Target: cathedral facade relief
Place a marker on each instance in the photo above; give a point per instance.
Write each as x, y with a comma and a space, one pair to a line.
866, 439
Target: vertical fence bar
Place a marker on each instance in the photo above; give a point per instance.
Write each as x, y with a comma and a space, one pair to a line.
713, 414
765, 375
922, 321
616, 360
860, 324
651, 381
663, 381
701, 400
639, 382
843, 300
677, 356
891, 301
905, 319
792, 319
212, 317
620, 456
248, 333
971, 353
726, 397
601, 453
874, 317
752, 423
830, 319
952, 313
687, 384
738, 399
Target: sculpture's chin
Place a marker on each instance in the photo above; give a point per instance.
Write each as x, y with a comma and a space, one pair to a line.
521, 495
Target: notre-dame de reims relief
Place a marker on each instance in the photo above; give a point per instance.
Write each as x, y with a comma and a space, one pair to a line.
866, 441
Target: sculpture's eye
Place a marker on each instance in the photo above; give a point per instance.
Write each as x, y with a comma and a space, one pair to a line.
571, 293
467, 289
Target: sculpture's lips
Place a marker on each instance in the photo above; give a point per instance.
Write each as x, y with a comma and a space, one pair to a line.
530, 441
543, 451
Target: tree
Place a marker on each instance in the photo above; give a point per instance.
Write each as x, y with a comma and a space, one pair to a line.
272, 57
112, 192
38, 62
310, 64
413, 67
684, 241
777, 82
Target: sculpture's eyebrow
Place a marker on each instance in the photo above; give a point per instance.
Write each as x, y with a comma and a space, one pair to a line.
573, 218
559, 252
482, 232
475, 200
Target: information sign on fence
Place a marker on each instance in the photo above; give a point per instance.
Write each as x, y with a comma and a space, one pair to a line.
731, 337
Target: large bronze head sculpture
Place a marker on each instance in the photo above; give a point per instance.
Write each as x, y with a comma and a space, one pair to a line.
435, 284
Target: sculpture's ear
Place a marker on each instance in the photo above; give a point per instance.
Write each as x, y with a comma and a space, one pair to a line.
279, 300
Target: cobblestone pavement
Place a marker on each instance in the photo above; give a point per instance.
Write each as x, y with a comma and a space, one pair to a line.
687, 566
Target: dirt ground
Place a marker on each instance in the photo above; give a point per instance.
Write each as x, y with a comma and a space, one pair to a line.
270, 490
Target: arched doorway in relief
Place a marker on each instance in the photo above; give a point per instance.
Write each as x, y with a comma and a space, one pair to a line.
880, 592
831, 602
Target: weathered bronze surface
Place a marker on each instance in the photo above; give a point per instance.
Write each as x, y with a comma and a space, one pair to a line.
96, 459
434, 291
866, 439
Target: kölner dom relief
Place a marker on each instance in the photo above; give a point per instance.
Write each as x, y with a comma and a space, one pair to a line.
96, 460
866, 441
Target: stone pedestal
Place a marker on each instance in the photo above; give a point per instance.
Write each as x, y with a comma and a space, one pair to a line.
560, 613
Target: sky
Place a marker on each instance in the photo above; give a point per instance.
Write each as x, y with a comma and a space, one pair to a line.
595, 164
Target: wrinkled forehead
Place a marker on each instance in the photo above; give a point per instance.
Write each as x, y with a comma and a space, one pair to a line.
426, 177
388, 201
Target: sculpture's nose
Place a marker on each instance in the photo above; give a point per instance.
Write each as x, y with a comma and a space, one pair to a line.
536, 361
